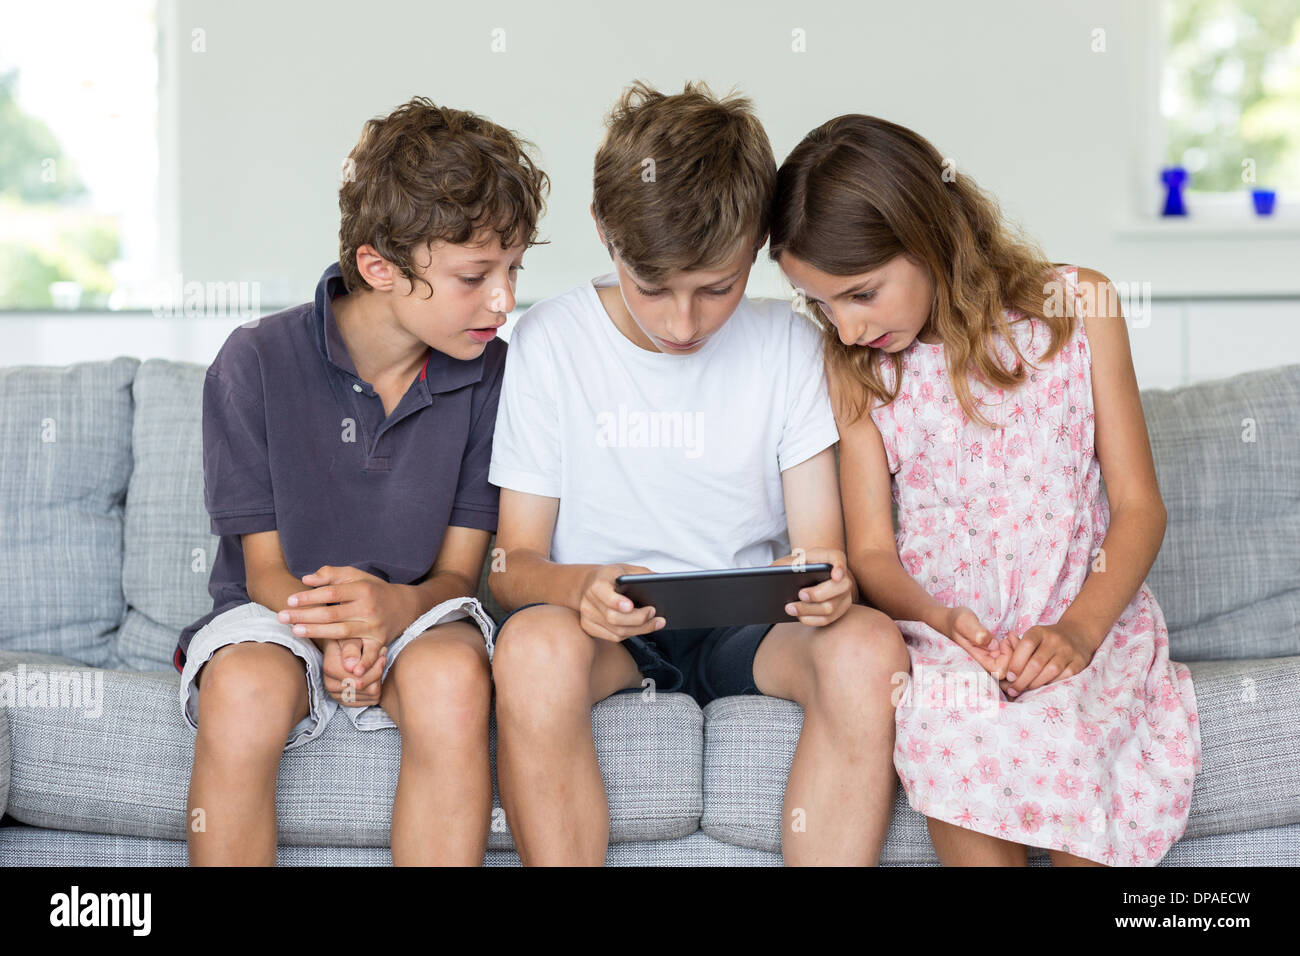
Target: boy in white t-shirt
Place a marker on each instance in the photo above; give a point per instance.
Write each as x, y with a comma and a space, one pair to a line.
656, 419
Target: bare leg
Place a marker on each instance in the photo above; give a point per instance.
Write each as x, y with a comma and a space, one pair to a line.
549, 673
841, 787
439, 693
250, 696
957, 846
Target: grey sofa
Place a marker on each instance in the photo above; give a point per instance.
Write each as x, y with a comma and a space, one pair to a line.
104, 558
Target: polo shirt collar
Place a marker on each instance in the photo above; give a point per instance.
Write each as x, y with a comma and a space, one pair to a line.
441, 372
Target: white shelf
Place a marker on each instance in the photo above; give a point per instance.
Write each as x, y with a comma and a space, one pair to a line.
1277, 226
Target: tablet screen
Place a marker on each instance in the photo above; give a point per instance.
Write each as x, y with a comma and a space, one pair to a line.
729, 597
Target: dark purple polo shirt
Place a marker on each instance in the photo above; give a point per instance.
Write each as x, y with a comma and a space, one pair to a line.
294, 441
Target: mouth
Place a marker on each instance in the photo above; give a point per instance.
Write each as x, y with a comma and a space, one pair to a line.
880, 342
678, 347
485, 334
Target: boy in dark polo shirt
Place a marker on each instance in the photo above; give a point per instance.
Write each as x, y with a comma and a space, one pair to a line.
346, 445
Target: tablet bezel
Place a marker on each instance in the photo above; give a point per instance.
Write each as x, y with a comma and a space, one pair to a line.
702, 598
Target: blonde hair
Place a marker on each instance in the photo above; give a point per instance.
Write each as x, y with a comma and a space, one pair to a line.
858, 191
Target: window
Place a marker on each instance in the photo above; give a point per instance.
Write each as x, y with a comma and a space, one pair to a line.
78, 155
1230, 98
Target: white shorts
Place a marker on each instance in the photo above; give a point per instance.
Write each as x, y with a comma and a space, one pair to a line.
255, 622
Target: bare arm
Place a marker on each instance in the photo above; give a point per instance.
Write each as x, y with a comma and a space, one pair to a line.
455, 572
524, 532
873, 555
266, 576
816, 523
526, 525
1137, 512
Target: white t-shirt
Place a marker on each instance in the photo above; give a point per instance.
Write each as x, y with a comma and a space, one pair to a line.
672, 462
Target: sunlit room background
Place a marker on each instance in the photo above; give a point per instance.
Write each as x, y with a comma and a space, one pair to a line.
150, 147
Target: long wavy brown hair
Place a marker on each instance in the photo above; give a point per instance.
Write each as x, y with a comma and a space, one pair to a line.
858, 191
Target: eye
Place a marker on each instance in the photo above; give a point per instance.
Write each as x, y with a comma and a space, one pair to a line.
865, 296
720, 291
647, 294
472, 280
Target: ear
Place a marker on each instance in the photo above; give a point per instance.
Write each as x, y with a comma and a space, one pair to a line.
378, 272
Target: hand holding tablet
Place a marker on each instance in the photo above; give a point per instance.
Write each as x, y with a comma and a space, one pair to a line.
609, 616
733, 596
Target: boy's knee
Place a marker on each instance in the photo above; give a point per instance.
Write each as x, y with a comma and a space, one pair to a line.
863, 646
441, 686
251, 691
543, 643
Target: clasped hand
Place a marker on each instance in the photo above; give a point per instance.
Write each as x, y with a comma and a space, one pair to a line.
1019, 662
351, 616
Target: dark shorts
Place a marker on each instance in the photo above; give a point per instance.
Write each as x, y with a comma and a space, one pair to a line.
706, 662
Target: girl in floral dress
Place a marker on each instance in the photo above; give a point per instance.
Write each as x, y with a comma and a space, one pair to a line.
985, 393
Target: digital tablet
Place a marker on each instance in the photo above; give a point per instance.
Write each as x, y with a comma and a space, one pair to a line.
722, 598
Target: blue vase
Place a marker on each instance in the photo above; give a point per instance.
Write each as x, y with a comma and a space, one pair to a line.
1264, 200
1174, 178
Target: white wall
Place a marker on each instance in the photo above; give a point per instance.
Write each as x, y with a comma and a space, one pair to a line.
1174, 342
254, 130
1010, 89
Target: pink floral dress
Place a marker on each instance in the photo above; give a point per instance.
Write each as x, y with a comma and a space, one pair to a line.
1010, 522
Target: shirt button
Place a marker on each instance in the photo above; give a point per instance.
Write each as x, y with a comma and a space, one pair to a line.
356, 387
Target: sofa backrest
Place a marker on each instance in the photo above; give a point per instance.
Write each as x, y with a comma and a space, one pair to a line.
82, 576
65, 457
1227, 457
168, 545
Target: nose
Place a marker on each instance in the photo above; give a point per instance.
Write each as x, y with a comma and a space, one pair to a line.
502, 299
682, 325
840, 329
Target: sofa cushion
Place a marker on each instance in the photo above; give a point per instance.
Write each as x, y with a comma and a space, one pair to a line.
749, 745
4, 760
127, 771
32, 846
168, 545
1227, 457
65, 457
1250, 776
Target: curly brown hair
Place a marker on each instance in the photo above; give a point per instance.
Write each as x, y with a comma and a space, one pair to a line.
682, 181
858, 191
428, 173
